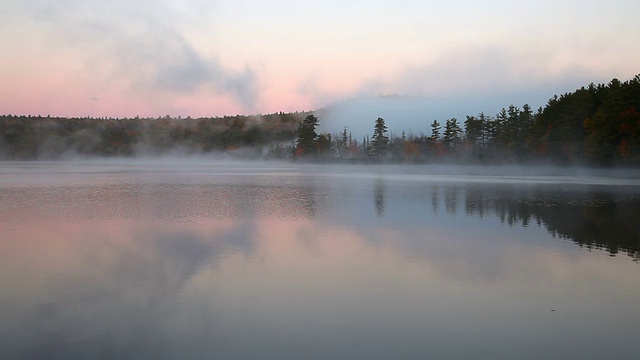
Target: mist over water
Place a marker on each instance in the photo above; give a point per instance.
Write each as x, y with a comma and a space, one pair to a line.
164, 258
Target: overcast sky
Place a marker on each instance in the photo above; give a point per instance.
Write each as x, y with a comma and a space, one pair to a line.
207, 58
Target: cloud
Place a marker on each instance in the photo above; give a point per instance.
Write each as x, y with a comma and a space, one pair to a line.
144, 42
486, 70
311, 88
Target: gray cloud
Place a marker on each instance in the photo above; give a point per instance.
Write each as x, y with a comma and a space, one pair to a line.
144, 42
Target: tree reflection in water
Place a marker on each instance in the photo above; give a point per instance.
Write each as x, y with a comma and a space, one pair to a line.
378, 196
593, 218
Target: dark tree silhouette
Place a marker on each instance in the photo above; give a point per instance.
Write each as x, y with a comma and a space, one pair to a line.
307, 141
435, 130
451, 137
380, 140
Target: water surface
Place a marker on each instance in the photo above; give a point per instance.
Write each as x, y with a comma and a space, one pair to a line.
197, 260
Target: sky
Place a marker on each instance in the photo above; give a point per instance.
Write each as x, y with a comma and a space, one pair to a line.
123, 58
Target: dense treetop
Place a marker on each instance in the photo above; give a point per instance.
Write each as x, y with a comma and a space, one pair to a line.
595, 125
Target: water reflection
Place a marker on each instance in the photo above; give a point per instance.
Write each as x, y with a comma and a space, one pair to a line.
451, 199
435, 203
297, 266
378, 196
151, 201
296, 288
594, 217
591, 217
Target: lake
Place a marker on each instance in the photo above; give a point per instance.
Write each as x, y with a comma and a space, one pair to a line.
204, 259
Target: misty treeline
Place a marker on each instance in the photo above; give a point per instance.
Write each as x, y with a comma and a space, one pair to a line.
47, 138
594, 125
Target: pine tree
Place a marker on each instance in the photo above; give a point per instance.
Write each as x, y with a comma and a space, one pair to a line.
380, 140
344, 143
435, 131
306, 144
451, 134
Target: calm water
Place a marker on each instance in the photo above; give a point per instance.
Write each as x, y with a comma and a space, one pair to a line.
196, 260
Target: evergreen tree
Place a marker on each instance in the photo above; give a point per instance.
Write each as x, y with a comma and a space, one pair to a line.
344, 143
345, 137
435, 131
499, 129
526, 132
306, 144
473, 131
380, 140
474, 141
451, 134
487, 129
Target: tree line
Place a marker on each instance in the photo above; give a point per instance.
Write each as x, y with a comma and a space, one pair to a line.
594, 125
38, 137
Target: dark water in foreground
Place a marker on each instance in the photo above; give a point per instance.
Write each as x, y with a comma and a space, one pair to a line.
202, 261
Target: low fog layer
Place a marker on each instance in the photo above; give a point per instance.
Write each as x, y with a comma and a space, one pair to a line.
206, 168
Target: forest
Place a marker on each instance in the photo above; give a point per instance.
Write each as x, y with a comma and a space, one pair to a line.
597, 125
